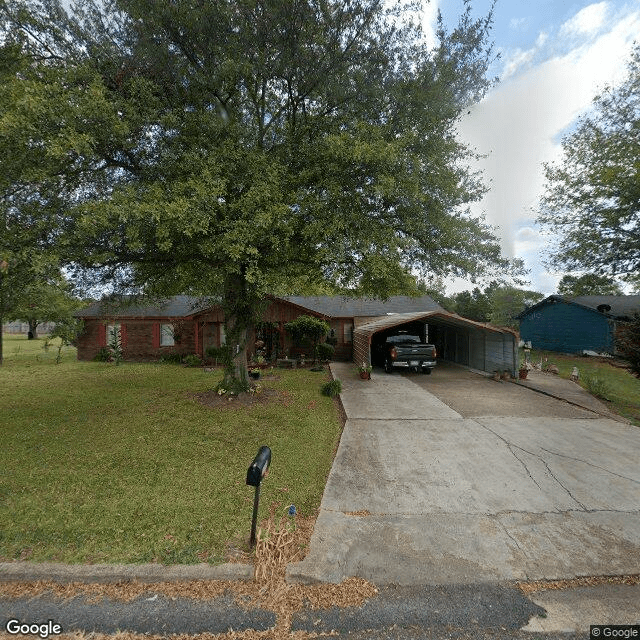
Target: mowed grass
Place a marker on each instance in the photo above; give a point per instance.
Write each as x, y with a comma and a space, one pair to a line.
613, 384
105, 463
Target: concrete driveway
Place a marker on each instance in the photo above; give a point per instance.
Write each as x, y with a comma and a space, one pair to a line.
473, 480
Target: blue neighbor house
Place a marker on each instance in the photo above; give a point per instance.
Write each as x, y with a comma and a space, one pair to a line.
573, 325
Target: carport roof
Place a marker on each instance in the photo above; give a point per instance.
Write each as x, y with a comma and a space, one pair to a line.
394, 319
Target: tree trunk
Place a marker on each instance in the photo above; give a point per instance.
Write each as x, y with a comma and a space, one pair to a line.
1, 339
33, 329
242, 309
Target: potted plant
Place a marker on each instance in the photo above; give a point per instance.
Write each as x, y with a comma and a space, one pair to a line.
522, 372
255, 373
365, 371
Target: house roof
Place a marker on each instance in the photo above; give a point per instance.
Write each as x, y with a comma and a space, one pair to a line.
620, 306
343, 307
611, 306
331, 306
131, 307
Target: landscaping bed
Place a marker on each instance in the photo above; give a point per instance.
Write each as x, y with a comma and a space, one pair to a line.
127, 464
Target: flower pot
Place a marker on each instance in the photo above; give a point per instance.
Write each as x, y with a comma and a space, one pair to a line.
254, 374
522, 374
365, 375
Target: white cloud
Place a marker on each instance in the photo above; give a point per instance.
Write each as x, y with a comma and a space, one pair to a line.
587, 21
528, 240
430, 22
516, 59
518, 23
519, 122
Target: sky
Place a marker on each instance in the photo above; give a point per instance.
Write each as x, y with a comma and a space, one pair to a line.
555, 56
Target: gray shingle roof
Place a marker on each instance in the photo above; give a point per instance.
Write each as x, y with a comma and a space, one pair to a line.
342, 307
332, 306
131, 307
621, 306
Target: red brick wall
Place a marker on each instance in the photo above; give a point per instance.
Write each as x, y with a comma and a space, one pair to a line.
139, 344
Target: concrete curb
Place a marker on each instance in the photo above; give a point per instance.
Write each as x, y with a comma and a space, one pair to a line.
58, 572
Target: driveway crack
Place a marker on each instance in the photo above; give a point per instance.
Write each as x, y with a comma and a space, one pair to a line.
511, 446
595, 466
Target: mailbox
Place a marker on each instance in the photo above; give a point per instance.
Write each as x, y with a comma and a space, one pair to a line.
259, 467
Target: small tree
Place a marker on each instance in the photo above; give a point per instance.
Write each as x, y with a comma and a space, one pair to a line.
68, 331
628, 343
310, 328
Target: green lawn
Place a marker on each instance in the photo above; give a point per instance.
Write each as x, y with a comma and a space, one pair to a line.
613, 384
123, 464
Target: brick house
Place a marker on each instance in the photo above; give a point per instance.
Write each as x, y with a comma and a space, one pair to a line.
184, 324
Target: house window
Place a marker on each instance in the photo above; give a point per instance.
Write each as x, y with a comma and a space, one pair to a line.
113, 330
166, 335
348, 331
223, 336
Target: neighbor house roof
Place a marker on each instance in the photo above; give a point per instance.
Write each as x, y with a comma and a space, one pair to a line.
612, 306
343, 307
620, 306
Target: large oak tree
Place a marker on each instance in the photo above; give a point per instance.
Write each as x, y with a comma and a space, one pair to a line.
245, 147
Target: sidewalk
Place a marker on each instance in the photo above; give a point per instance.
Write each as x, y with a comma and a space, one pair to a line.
553, 385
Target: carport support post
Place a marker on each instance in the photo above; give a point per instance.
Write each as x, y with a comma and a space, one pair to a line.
254, 519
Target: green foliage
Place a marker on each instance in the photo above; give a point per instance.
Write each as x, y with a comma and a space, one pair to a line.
192, 360
508, 302
220, 354
597, 387
332, 389
104, 355
592, 195
171, 358
325, 351
308, 328
589, 284
115, 346
628, 343
67, 330
474, 305
313, 143
498, 304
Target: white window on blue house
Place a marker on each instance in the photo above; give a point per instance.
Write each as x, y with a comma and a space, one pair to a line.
166, 335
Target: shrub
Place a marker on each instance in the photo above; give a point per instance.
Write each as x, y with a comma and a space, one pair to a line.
628, 343
332, 389
325, 351
171, 358
103, 355
192, 360
219, 354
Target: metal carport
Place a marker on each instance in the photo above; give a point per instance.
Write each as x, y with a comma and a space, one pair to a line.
472, 344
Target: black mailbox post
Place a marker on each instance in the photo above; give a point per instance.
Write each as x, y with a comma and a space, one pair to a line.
255, 473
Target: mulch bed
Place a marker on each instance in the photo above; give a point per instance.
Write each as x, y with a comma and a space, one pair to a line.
260, 395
